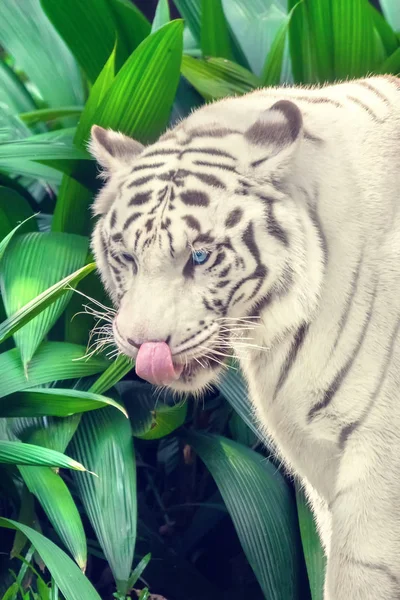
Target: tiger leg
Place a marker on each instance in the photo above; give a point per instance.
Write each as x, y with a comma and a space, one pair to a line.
364, 558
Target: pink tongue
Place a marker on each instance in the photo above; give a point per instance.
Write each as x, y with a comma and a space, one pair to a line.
154, 364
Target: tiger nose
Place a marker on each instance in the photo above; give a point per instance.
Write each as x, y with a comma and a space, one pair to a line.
136, 343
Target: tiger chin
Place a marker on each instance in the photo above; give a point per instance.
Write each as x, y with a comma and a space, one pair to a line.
267, 227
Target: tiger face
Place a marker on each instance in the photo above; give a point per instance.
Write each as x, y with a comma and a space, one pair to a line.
194, 239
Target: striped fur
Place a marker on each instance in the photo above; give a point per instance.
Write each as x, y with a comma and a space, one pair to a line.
294, 193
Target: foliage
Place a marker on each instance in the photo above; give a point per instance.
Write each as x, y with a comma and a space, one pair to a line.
147, 514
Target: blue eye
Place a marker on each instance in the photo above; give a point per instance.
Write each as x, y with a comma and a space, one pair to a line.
200, 257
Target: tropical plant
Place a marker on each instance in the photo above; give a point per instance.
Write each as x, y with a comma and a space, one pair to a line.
192, 485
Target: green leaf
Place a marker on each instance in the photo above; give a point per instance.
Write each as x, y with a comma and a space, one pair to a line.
104, 440
11, 592
164, 420
50, 114
132, 28
137, 572
55, 402
72, 196
234, 390
27, 254
40, 52
392, 13
12, 92
162, 15
392, 64
272, 70
53, 361
51, 146
255, 24
6, 240
388, 36
137, 103
191, 13
14, 209
262, 509
42, 301
215, 39
120, 367
69, 578
313, 553
60, 508
216, 78
18, 453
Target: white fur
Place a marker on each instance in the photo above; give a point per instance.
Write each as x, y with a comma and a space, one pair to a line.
351, 180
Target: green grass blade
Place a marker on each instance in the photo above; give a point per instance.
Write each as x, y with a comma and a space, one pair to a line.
18, 453
13, 93
262, 509
272, 70
132, 28
137, 572
104, 440
61, 254
30, 38
217, 78
215, 40
56, 402
53, 361
7, 239
120, 367
392, 64
69, 578
50, 114
162, 15
313, 553
59, 506
40, 302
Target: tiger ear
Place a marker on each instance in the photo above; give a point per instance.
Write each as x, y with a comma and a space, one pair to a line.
112, 149
275, 136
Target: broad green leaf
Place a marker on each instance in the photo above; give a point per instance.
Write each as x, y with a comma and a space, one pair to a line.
391, 10
57, 502
72, 195
53, 361
27, 516
120, 367
313, 553
272, 70
164, 420
233, 388
40, 302
137, 103
69, 578
354, 39
302, 53
216, 78
162, 15
190, 10
255, 24
389, 38
132, 28
30, 38
14, 209
12, 91
28, 168
215, 39
51, 146
50, 114
392, 64
88, 28
18, 453
262, 509
104, 440
11, 592
54, 402
6, 240
23, 278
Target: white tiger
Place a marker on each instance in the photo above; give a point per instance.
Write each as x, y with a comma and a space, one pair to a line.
273, 220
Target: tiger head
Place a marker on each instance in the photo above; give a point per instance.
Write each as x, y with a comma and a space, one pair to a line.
197, 235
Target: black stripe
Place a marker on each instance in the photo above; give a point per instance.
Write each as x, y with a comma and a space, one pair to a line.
365, 107
192, 222
204, 238
113, 218
161, 152
344, 371
210, 180
219, 258
314, 216
188, 269
217, 132
273, 227
139, 199
211, 151
147, 166
260, 161
249, 240
204, 163
234, 217
317, 100
140, 181
131, 219
298, 341
372, 88
349, 301
377, 567
117, 237
195, 198
351, 427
